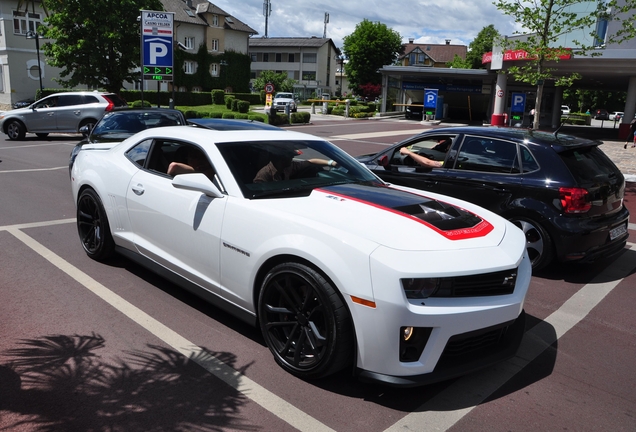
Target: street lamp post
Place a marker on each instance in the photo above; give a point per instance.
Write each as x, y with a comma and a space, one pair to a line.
34, 35
222, 64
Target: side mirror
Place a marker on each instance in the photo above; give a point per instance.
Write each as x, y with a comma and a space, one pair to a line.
85, 130
197, 182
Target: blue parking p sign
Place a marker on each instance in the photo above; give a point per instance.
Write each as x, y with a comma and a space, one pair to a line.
430, 98
518, 103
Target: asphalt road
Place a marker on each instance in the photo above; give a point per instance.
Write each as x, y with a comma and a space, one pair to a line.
90, 346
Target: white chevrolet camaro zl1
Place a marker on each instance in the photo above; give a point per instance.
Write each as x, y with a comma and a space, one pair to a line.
290, 233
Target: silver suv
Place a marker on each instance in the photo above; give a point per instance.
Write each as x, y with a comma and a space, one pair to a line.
59, 112
283, 99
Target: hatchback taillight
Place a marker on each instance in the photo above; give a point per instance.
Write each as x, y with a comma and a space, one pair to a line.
574, 200
111, 105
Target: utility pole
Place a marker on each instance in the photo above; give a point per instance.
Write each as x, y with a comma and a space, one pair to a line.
267, 11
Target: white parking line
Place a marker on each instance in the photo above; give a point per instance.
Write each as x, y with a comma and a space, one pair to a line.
377, 134
473, 389
36, 169
260, 395
436, 414
38, 145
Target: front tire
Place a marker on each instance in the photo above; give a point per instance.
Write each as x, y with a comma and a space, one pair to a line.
304, 321
16, 130
93, 227
538, 242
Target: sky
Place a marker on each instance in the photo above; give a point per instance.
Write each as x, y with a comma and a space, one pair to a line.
425, 21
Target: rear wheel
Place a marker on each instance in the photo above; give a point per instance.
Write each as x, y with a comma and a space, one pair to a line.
538, 242
93, 227
304, 321
16, 130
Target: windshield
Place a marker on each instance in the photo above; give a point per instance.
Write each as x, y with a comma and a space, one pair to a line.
291, 168
284, 96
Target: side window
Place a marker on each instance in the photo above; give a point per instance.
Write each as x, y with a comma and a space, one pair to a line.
139, 153
70, 100
528, 162
488, 155
49, 102
431, 147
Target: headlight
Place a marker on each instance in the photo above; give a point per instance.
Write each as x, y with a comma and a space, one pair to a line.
420, 288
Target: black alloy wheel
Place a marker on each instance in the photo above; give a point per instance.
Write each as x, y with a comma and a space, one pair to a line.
538, 242
304, 321
93, 227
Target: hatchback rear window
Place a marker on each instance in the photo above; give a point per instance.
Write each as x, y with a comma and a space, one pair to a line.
589, 164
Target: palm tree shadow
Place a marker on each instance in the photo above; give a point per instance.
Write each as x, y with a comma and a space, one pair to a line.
59, 382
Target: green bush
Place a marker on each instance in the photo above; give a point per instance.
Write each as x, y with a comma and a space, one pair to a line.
339, 111
241, 116
300, 117
137, 104
218, 97
228, 115
243, 106
191, 114
256, 118
252, 98
228, 101
216, 114
278, 119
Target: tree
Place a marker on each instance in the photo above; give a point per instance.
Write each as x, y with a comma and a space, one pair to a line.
280, 81
370, 46
96, 44
546, 22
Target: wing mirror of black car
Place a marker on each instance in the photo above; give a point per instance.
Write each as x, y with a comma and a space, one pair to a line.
85, 130
197, 182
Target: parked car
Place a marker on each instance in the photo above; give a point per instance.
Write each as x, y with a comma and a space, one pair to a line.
601, 114
414, 111
23, 103
616, 115
121, 123
282, 99
565, 110
59, 112
336, 267
562, 191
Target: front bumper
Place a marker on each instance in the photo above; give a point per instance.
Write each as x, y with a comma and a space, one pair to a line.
460, 334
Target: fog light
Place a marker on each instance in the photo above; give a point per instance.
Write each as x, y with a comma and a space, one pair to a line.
407, 333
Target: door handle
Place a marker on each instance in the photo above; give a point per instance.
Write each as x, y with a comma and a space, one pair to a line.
139, 189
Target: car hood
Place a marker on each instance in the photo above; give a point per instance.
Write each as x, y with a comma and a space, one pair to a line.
410, 219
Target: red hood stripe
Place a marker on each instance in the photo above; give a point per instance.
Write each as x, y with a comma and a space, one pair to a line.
481, 229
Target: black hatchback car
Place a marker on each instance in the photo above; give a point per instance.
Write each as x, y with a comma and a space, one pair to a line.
562, 191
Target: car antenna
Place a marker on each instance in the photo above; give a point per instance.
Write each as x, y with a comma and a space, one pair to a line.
556, 132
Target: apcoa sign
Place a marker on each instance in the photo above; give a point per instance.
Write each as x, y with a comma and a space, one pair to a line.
157, 45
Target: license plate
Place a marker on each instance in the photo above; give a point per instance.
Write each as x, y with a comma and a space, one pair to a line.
618, 231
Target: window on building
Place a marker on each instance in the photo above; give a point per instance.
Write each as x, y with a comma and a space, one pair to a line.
214, 69
601, 31
309, 76
279, 57
215, 45
196, 89
253, 57
24, 22
189, 42
215, 20
309, 58
265, 57
189, 67
291, 58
